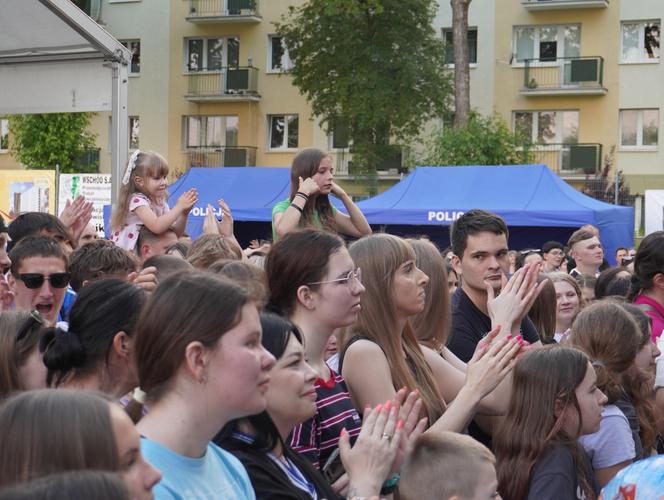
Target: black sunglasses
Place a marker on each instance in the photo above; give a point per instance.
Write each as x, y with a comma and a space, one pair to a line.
33, 320
36, 280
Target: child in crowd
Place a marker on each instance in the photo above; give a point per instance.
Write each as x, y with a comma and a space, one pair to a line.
142, 201
447, 466
555, 400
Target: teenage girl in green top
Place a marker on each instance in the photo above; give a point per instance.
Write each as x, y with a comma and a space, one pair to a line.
312, 180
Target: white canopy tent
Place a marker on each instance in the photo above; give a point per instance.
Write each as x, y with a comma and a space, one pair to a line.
56, 59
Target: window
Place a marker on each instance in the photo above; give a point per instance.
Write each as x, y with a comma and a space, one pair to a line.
134, 129
339, 134
449, 45
283, 130
277, 56
4, 135
210, 131
546, 43
640, 41
134, 47
639, 128
211, 54
547, 127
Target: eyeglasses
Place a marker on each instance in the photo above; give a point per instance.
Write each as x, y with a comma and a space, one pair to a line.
36, 280
34, 319
349, 279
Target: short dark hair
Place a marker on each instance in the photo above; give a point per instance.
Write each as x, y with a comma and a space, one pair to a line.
473, 222
97, 259
35, 246
579, 235
551, 245
31, 223
145, 235
167, 265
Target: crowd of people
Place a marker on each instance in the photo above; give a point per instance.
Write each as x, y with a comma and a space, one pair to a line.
328, 363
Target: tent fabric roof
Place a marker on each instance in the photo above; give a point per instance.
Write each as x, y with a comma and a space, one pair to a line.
38, 30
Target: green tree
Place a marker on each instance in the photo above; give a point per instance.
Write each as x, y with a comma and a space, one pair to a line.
482, 141
376, 65
47, 140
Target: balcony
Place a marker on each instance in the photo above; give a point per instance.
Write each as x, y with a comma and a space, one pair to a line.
224, 11
389, 168
535, 5
223, 156
569, 160
563, 76
223, 85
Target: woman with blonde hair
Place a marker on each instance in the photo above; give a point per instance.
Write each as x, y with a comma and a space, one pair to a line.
569, 301
380, 352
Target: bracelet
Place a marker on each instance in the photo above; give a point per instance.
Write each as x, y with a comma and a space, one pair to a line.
306, 197
390, 485
295, 206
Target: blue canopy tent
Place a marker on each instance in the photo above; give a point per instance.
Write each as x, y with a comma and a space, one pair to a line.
536, 204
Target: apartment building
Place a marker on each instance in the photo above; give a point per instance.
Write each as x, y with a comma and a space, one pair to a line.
578, 77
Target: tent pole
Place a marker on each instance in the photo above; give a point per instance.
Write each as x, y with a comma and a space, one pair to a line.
119, 127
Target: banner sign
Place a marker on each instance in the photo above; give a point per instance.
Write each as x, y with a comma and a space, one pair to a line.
95, 187
26, 191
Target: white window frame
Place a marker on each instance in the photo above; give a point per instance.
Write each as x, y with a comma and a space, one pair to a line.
560, 43
470, 28
203, 131
4, 130
126, 42
330, 144
289, 64
284, 146
641, 47
204, 62
535, 121
639, 131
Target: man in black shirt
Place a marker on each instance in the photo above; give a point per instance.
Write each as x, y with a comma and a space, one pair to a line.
479, 243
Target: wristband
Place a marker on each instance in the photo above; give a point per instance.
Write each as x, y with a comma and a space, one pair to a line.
306, 197
390, 485
296, 207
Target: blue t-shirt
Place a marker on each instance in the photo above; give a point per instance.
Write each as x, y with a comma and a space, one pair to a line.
217, 474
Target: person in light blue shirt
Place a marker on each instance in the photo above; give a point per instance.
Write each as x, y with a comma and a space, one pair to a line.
200, 364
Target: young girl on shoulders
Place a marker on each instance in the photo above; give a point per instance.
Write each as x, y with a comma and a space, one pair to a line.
554, 401
142, 201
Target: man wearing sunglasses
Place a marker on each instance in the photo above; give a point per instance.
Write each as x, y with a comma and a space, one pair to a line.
39, 276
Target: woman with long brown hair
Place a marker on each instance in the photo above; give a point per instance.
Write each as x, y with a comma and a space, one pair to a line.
554, 401
611, 339
312, 180
380, 352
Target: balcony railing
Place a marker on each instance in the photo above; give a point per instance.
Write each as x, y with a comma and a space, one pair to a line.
569, 159
564, 4
564, 76
223, 11
223, 84
223, 156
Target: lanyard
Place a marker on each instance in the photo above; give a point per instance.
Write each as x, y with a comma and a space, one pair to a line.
294, 474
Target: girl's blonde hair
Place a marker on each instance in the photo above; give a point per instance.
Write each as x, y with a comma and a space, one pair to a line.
380, 256
148, 163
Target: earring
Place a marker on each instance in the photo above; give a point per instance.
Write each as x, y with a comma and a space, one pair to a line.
203, 379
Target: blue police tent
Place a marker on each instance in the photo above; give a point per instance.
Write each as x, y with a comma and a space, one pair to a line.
536, 204
250, 193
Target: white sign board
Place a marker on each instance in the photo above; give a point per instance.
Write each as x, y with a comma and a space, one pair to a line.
95, 187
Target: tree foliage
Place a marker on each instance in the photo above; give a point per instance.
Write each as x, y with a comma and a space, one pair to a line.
482, 141
375, 64
47, 140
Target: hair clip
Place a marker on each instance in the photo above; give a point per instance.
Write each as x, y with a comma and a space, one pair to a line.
598, 363
139, 396
130, 167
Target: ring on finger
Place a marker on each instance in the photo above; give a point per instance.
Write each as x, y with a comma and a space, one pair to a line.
386, 436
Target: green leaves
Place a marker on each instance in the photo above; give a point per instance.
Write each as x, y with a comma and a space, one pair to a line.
47, 140
377, 63
483, 141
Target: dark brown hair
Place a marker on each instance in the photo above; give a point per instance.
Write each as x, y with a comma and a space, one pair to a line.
541, 378
298, 258
305, 165
543, 311
47, 431
473, 222
185, 308
71, 485
97, 259
35, 246
648, 262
